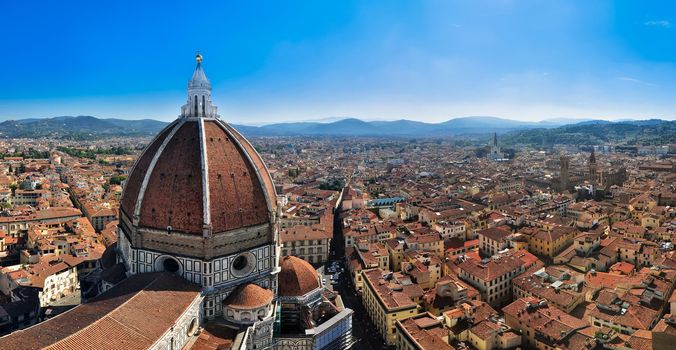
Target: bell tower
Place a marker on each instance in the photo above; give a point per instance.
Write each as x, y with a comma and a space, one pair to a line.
563, 174
592, 169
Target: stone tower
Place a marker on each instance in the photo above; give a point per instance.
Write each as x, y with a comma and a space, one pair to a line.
563, 174
592, 169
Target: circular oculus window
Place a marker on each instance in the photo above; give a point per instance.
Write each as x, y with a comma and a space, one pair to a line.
243, 264
193, 327
171, 265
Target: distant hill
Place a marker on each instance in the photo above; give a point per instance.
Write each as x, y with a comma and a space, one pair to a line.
88, 127
403, 127
487, 124
80, 127
593, 132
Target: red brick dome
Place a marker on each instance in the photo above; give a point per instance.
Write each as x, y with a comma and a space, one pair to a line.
198, 173
297, 277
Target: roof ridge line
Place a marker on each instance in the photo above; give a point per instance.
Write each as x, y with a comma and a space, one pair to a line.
131, 170
151, 167
239, 138
142, 290
206, 203
108, 315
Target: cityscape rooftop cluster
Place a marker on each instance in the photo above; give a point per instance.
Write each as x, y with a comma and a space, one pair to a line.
201, 239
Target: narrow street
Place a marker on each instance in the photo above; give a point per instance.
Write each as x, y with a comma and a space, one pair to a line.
364, 331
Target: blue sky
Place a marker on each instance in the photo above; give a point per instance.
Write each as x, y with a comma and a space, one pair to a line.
272, 61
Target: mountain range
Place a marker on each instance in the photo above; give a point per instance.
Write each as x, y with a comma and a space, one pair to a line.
88, 127
402, 127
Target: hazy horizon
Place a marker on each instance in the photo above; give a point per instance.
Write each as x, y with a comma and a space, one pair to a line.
427, 61
335, 119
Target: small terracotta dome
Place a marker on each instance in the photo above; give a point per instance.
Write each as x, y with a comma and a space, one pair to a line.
249, 296
297, 277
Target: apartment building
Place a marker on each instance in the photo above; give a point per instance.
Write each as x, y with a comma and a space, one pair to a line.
493, 240
492, 277
549, 242
386, 302
545, 327
421, 332
309, 243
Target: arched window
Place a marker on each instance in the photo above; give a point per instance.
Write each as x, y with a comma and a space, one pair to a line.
245, 316
204, 108
196, 106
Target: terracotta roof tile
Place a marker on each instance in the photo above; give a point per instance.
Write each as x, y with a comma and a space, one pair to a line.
240, 189
249, 296
117, 319
297, 277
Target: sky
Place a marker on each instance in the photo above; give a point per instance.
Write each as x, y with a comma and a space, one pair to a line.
277, 61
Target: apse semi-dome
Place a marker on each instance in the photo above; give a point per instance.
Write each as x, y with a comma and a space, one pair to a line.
199, 178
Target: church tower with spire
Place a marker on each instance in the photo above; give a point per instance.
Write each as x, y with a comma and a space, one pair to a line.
495, 153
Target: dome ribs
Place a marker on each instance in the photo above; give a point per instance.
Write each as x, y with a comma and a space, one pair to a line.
133, 184
197, 173
175, 186
258, 162
236, 195
204, 175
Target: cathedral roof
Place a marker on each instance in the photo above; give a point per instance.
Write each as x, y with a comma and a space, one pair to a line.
297, 277
199, 174
115, 319
249, 296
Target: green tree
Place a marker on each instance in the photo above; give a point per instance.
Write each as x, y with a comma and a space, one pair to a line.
117, 179
13, 187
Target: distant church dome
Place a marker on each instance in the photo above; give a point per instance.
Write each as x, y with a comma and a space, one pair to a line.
297, 277
200, 177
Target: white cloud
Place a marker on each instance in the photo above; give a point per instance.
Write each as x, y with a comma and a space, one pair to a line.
634, 80
658, 23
